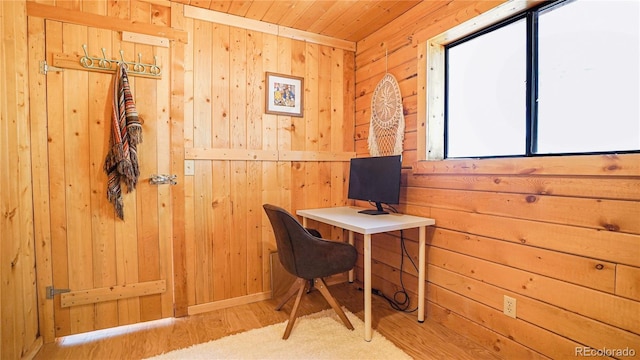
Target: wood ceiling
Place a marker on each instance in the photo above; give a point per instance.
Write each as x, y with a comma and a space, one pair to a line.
350, 20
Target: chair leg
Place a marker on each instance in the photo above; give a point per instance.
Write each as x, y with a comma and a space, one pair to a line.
322, 287
292, 291
294, 310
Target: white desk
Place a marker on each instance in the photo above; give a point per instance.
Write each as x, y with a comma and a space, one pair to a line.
348, 218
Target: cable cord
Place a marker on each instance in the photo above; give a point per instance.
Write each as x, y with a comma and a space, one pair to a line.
385, 206
396, 303
390, 208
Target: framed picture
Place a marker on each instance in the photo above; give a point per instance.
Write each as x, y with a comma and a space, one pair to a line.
284, 94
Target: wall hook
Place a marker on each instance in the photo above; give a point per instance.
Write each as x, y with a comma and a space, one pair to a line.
134, 68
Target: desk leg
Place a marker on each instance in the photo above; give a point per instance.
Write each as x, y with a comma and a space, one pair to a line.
367, 287
351, 242
421, 272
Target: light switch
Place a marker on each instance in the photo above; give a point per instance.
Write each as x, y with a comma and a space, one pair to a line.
189, 168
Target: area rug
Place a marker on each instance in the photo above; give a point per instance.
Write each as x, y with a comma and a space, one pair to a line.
317, 336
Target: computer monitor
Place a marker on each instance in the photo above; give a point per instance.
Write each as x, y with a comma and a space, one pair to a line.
377, 180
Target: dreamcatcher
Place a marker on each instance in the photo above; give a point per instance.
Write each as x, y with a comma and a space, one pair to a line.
386, 130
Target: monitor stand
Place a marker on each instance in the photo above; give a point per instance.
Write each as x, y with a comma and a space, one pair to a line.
377, 211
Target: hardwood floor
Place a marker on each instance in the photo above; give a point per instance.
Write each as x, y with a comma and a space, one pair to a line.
428, 340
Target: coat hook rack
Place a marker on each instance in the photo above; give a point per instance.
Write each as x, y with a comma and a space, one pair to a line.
133, 68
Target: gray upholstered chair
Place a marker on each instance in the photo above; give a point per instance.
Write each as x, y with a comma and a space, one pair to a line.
310, 258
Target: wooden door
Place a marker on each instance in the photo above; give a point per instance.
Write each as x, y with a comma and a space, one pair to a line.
118, 271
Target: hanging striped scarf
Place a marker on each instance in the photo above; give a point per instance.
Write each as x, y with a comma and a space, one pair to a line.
121, 163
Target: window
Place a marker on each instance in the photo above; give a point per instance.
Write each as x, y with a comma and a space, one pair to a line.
562, 78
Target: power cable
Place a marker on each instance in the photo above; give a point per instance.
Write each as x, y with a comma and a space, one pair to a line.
397, 303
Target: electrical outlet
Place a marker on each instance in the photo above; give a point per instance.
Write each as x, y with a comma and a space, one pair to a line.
509, 308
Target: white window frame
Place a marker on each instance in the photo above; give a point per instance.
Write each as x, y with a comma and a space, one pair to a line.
431, 75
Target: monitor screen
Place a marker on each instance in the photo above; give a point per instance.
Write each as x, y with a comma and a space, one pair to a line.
377, 180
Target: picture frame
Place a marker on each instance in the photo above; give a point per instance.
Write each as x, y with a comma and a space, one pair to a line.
284, 94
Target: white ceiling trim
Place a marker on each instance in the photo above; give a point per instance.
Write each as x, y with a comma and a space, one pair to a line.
257, 25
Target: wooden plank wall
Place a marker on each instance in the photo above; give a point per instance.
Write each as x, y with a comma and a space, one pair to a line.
561, 234
18, 302
565, 245
274, 159
216, 103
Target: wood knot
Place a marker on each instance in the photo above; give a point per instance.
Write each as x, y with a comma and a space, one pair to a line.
599, 266
10, 214
531, 199
611, 227
497, 181
15, 260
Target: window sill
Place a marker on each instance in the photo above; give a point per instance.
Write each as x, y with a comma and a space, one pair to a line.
576, 165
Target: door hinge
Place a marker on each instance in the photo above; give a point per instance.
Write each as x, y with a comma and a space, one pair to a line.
51, 291
45, 68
